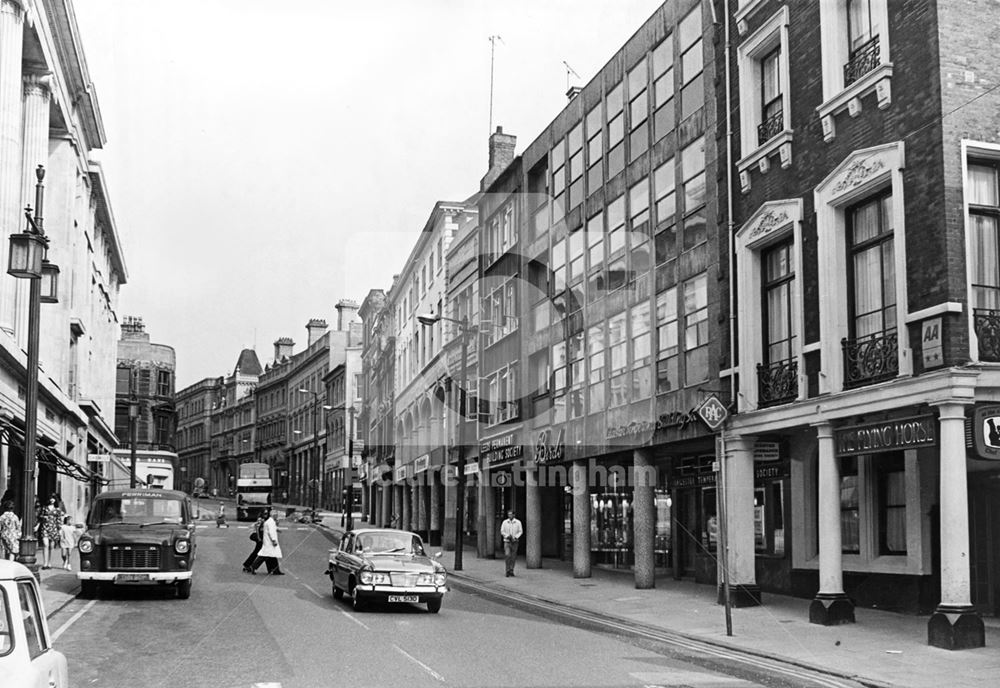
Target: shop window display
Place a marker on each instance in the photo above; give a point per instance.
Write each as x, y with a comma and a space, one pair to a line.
611, 528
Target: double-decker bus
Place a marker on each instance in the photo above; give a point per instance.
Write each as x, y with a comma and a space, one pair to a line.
152, 469
253, 490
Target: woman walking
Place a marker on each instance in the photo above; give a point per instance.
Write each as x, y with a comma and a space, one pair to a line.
10, 531
48, 529
257, 535
270, 550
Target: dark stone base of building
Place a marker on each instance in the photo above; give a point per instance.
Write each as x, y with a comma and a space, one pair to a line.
831, 609
956, 628
742, 596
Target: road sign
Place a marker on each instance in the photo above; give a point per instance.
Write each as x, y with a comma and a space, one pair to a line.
712, 412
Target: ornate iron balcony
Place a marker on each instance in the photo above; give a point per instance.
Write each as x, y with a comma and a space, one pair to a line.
770, 127
863, 60
870, 359
777, 383
987, 325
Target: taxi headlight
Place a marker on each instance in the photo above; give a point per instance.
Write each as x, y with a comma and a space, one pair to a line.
440, 578
182, 546
365, 576
380, 578
86, 546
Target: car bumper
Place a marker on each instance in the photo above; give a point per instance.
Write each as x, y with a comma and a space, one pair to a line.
384, 592
150, 577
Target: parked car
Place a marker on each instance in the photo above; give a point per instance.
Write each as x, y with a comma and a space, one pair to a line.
27, 659
388, 565
138, 537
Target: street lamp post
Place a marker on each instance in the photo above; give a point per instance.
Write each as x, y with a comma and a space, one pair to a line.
467, 330
348, 503
28, 261
133, 425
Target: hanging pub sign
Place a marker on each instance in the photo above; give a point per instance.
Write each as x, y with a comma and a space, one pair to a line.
986, 431
886, 435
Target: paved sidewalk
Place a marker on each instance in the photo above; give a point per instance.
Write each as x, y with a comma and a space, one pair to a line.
882, 648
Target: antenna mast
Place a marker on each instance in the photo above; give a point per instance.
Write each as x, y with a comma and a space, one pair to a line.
569, 70
493, 46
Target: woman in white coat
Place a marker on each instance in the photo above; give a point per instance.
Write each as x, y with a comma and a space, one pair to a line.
270, 550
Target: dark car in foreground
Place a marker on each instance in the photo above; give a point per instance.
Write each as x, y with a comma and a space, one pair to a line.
386, 565
138, 537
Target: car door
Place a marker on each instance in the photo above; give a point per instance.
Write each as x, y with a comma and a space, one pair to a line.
341, 573
49, 666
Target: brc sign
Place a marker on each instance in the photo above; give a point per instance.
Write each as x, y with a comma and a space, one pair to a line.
713, 413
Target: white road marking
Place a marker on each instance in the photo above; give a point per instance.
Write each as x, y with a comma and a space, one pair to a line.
416, 661
355, 620
73, 619
273, 684
303, 529
306, 586
242, 527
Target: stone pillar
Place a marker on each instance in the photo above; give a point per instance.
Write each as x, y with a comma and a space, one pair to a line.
830, 606
35, 152
481, 487
435, 509
11, 89
643, 519
407, 513
743, 589
532, 520
385, 502
955, 624
365, 489
490, 518
450, 503
581, 520
424, 492
397, 506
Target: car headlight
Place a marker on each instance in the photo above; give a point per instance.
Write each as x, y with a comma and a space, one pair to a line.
86, 546
182, 546
440, 578
366, 576
380, 578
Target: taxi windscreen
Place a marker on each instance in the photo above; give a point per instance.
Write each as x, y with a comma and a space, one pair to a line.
136, 509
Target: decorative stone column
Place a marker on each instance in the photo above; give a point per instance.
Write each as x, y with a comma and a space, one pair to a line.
831, 606
955, 624
490, 518
450, 503
435, 508
742, 555
532, 520
11, 90
581, 520
643, 519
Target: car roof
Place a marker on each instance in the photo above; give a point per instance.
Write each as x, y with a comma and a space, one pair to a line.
394, 531
11, 569
141, 491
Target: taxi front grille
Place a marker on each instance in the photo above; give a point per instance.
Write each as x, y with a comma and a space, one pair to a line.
403, 580
134, 557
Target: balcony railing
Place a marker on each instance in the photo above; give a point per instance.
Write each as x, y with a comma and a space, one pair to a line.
770, 127
863, 60
870, 359
777, 383
987, 325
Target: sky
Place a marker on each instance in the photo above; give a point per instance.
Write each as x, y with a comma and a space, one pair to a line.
267, 159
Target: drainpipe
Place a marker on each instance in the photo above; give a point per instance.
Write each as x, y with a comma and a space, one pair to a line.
730, 225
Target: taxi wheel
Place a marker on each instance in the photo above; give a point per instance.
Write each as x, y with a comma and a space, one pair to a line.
184, 589
434, 605
88, 589
357, 603
338, 594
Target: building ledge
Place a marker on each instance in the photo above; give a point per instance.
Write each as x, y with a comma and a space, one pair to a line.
878, 80
760, 156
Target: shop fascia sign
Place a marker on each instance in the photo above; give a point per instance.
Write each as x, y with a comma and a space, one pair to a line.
501, 450
400, 474
421, 463
550, 446
886, 435
666, 421
766, 451
986, 431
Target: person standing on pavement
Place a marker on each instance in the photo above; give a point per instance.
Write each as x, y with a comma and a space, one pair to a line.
257, 535
270, 550
48, 528
10, 531
67, 541
510, 532
220, 518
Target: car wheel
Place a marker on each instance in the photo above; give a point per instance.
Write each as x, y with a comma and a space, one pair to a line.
184, 589
357, 602
88, 589
434, 605
338, 594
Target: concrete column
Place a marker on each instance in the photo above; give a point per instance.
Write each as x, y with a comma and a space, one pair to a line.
35, 152
581, 520
435, 508
643, 519
490, 525
955, 624
830, 606
424, 520
397, 506
741, 560
533, 520
450, 503
11, 89
407, 517
481, 487
385, 504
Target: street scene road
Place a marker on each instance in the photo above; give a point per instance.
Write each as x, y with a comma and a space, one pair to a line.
243, 630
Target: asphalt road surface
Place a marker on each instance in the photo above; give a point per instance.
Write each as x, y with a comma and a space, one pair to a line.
267, 632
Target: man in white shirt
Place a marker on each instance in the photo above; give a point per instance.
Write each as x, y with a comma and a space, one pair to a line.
510, 532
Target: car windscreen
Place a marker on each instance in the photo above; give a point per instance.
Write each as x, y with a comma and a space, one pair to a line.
390, 543
136, 509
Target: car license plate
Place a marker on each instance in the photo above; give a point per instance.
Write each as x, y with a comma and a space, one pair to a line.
131, 577
404, 598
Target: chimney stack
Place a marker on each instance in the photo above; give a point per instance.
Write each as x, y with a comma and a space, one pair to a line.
315, 327
283, 348
501, 155
347, 312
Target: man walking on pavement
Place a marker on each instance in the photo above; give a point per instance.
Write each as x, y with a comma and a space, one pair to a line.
511, 532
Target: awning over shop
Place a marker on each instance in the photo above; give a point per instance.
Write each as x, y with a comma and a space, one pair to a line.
49, 456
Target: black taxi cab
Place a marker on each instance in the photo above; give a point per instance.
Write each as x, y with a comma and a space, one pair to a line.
138, 537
